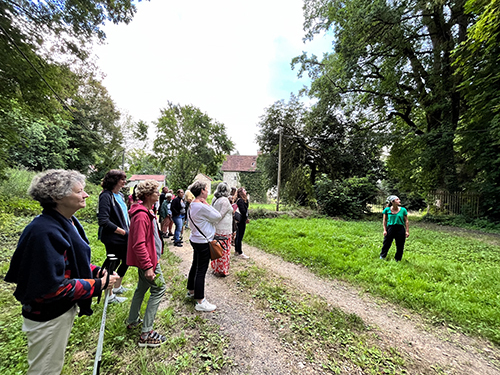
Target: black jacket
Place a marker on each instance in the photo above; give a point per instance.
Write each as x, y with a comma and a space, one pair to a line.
110, 216
243, 207
176, 207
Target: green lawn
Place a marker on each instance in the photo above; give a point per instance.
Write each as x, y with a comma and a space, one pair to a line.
450, 278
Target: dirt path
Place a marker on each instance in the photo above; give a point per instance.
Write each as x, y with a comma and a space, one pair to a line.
257, 349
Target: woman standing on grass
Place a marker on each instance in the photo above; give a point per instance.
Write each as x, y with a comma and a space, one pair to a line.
396, 227
145, 247
241, 201
112, 216
202, 219
224, 228
52, 270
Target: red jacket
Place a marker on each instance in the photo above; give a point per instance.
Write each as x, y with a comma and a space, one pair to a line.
141, 250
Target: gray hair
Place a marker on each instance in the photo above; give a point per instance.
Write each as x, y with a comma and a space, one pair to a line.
222, 190
54, 184
391, 198
146, 188
197, 187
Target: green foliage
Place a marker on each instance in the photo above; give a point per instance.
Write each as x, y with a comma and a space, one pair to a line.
189, 142
346, 198
299, 190
449, 277
142, 162
255, 185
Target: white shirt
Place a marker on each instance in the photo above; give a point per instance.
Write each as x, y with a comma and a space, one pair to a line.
225, 226
205, 217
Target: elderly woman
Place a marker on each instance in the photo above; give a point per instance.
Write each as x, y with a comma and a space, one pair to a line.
202, 219
112, 216
52, 270
224, 228
241, 200
396, 227
144, 249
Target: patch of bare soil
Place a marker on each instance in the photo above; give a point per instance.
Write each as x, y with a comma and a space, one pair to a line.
257, 349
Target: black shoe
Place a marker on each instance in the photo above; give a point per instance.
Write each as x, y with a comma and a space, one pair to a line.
178, 244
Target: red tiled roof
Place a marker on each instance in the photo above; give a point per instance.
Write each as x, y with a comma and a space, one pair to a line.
142, 177
240, 163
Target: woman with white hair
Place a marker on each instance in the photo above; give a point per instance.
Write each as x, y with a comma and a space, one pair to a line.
224, 228
52, 270
396, 227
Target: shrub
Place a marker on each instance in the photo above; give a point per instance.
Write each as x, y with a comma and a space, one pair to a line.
345, 198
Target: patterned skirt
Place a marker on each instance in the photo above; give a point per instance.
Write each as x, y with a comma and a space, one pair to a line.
221, 265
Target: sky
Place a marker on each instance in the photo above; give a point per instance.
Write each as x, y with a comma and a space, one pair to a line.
229, 58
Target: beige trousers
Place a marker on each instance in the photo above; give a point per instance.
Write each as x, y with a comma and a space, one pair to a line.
47, 343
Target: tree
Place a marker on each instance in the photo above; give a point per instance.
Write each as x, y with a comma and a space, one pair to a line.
142, 162
189, 142
315, 141
392, 65
478, 63
39, 41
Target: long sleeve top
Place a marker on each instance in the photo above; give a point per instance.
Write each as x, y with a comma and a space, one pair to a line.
205, 217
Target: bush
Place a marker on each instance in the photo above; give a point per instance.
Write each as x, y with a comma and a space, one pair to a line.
346, 198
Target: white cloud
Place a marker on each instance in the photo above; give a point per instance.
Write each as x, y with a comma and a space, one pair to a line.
229, 58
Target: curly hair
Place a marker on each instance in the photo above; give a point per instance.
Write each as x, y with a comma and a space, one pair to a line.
197, 187
222, 190
54, 184
111, 179
146, 188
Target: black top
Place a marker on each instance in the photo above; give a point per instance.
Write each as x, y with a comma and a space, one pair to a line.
243, 207
110, 216
177, 207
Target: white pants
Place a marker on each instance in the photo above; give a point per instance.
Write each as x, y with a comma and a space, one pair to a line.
47, 343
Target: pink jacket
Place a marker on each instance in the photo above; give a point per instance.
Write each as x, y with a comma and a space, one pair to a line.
141, 251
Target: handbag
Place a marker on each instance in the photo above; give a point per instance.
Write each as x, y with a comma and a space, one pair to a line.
216, 247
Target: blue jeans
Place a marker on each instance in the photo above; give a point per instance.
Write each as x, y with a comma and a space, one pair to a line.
178, 220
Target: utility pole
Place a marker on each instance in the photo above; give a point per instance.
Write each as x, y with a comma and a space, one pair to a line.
279, 172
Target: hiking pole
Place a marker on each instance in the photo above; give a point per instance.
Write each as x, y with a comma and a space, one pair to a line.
110, 265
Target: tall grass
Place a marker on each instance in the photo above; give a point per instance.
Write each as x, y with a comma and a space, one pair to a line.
450, 278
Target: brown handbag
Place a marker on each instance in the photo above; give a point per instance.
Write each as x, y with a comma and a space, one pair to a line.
216, 248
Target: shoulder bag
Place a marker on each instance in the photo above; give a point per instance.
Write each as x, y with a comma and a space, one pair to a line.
216, 246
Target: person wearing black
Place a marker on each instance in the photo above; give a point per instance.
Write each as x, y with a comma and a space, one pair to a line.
163, 195
114, 223
242, 203
178, 209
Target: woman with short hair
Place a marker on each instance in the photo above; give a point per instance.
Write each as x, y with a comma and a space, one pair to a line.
145, 247
52, 270
223, 229
396, 227
112, 216
202, 219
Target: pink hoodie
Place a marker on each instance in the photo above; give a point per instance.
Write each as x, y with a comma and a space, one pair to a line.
141, 251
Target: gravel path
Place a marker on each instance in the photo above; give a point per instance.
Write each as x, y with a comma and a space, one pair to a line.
257, 349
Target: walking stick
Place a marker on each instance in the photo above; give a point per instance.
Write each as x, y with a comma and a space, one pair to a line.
110, 265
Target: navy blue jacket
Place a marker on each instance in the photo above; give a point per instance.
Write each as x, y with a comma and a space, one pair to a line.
110, 216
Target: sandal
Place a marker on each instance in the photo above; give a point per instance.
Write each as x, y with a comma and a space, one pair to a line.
152, 340
134, 324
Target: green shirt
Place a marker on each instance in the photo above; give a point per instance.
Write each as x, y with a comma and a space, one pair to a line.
395, 219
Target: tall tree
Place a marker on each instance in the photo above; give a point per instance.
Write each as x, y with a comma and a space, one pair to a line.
392, 63
189, 142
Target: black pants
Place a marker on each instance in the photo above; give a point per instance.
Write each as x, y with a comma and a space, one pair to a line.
120, 252
398, 233
240, 232
196, 277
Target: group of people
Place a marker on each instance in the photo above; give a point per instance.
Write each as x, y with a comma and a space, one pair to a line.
51, 265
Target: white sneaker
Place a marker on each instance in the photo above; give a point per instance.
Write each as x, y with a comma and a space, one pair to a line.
189, 295
205, 306
115, 299
243, 256
120, 290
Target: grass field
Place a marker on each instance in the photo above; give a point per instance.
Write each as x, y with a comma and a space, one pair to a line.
451, 278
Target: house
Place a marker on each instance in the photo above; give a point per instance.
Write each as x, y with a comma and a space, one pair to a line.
204, 178
236, 164
136, 178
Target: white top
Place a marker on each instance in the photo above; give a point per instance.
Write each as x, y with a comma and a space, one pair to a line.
225, 226
205, 218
